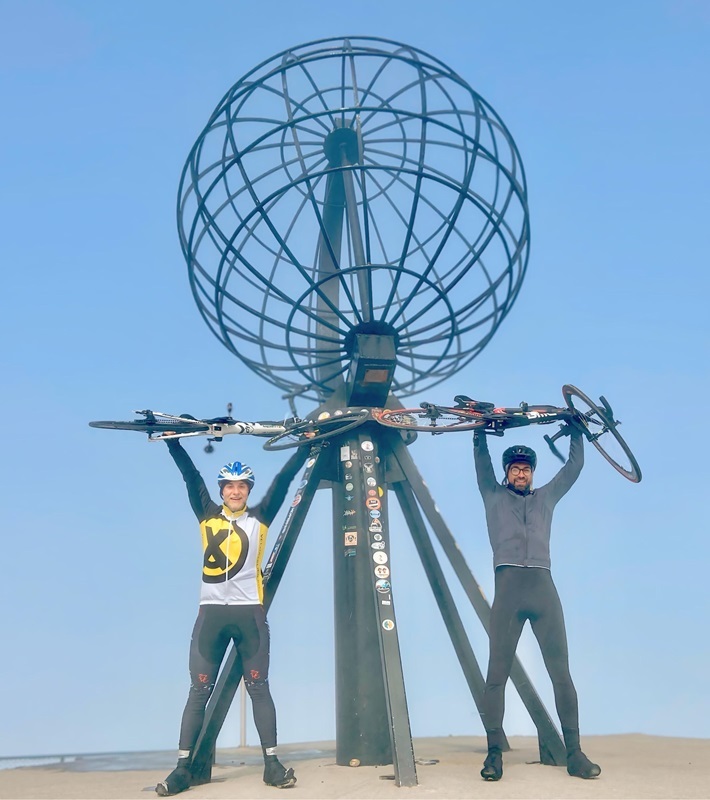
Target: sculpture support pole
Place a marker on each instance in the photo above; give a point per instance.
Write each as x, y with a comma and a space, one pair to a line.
329, 246
372, 720
363, 275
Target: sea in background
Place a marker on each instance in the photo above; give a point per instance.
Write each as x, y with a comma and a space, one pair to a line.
155, 759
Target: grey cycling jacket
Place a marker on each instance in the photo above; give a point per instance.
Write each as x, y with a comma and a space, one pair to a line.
519, 525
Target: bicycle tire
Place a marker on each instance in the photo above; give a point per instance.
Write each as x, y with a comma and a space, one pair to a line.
309, 431
448, 420
144, 426
594, 416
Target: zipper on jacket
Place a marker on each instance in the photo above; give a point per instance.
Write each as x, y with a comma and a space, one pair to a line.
525, 528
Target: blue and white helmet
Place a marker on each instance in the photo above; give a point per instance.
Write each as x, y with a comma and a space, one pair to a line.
236, 471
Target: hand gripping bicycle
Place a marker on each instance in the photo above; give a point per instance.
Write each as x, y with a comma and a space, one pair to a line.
596, 421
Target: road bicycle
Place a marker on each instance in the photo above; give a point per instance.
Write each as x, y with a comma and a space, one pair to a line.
289, 433
596, 421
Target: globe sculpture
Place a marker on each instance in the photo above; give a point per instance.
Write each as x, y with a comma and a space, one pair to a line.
354, 219
353, 186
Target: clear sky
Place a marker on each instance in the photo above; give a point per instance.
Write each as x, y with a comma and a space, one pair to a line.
100, 566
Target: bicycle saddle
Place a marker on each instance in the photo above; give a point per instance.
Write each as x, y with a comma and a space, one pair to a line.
466, 402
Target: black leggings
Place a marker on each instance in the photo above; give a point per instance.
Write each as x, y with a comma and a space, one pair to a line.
523, 593
214, 628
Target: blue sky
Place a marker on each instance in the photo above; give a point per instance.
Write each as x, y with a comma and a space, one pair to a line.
99, 576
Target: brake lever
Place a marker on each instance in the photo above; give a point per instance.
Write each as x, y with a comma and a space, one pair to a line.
564, 430
555, 451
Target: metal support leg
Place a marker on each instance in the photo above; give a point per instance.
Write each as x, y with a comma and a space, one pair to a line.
437, 581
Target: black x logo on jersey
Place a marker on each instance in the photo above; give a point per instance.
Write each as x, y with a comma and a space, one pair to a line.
215, 557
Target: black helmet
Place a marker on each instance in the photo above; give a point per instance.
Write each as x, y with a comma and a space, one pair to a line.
520, 454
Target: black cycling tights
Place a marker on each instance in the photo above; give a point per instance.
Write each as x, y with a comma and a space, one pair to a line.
214, 628
523, 593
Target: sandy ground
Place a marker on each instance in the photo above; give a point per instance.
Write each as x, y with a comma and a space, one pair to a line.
633, 766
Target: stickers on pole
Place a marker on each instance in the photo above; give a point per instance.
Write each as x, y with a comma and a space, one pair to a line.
381, 571
388, 624
379, 557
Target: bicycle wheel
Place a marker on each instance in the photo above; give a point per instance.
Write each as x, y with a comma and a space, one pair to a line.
308, 431
600, 423
431, 419
151, 426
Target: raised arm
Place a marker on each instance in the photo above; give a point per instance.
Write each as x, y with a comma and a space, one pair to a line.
268, 508
482, 459
568, 474
200, 500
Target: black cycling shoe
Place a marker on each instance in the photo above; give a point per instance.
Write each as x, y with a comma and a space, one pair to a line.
579, 766
275, 774
178, 780
493, 765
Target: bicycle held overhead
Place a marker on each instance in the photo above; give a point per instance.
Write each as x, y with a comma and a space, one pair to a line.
597, 422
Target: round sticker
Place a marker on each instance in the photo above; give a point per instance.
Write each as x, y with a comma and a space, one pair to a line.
349, 487
310, 462
371, 482
348, 464
372, 493
375, 513
324, 415
382, 571
373, 502
367, 445
388, 624
377, 537
378, 545
296, 500
382, 586
338, 413
302, 484
379, 558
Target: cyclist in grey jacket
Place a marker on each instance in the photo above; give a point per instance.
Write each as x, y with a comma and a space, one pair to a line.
519, 522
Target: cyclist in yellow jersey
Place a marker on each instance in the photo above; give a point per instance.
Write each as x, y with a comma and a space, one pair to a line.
231, 604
